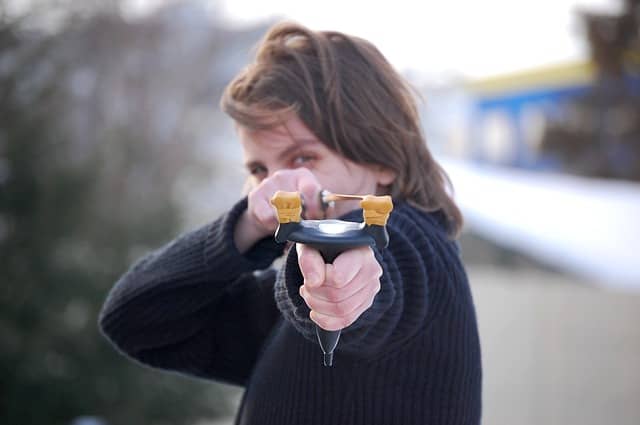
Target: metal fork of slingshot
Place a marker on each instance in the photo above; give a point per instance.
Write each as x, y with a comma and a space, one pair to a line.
332, 237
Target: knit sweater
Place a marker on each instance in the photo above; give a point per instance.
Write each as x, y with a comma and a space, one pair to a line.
199, 307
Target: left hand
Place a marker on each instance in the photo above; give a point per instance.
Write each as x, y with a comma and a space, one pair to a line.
338, 293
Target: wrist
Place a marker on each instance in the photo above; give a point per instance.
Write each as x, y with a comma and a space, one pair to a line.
247, 232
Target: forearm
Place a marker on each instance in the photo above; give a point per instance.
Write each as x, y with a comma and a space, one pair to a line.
415, 259
162, 291
169, 298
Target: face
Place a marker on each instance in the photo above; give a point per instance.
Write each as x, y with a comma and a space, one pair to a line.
293, 145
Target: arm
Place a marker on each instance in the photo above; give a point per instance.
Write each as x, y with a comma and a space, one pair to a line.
195, 306
418, 259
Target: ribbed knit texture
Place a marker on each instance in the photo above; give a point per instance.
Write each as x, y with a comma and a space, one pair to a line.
199, 307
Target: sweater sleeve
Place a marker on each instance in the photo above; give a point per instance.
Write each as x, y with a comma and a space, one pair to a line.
419, 254
196, 305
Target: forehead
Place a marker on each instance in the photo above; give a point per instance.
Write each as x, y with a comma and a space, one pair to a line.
289, 134
263, 139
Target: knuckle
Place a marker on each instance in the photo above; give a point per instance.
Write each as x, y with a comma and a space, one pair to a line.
254, 199
304, 296
264, 188
304, 172
324, 322
337, 279
378, 271
309, 303
341, 309
264, 213
348, 320
279, 174
260, 217
375, 269
352, 318
283, 179
333, 295
335, 325
370, 303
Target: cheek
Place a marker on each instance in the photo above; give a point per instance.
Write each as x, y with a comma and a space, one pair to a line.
361, 178
341, 176
333, 179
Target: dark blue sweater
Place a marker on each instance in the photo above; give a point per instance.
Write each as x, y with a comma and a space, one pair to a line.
199, 307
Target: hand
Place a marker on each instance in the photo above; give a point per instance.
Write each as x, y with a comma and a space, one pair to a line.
260, 220
290, 180
338, 293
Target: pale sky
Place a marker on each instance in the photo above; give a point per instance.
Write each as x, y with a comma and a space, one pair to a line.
470, 39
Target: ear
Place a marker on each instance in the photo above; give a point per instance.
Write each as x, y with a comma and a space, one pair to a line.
384, 176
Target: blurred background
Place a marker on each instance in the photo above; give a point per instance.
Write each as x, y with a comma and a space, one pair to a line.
112, 143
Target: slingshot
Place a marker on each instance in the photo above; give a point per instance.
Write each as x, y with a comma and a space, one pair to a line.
332, 237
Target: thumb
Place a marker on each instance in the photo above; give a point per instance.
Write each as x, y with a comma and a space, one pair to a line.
311, 265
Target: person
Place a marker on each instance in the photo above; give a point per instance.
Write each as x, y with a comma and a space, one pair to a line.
317, 110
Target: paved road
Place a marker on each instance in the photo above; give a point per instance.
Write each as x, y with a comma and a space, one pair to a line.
556, 350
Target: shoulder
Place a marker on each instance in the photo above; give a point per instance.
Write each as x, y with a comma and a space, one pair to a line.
416, 221
427, 232
408, 224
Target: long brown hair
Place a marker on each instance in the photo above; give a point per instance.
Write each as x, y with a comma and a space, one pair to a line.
352, 99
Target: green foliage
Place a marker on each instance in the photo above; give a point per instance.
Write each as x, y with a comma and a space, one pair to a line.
72, 218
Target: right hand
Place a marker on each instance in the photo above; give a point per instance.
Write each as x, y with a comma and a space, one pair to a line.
260, 218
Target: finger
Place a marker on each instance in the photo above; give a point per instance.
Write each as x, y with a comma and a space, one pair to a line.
310, 189
331, 323
264, 211
260, 206
328, 292
311, 265
303, 181
343, 308
347, 265
333, 294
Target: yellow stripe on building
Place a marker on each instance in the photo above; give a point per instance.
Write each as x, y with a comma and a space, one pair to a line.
562, 75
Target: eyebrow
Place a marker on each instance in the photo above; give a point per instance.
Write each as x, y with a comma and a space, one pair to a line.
299, 143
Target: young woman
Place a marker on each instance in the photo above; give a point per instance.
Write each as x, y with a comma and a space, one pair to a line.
314, 111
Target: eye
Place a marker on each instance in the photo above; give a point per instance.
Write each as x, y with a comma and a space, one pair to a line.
300, 160
258, 171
